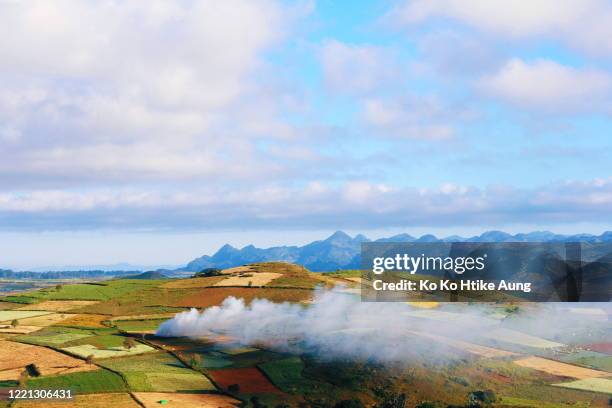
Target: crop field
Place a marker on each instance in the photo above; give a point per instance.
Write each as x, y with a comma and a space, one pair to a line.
9, 305
77, 335
215, 296
85, 320
9, 315
92, 291
193, 282
15, 356
138, 326
108, 400
81, 383
250, 380
286, 373
522, 339
600, 347
55, 336
59, 305
158, 372
86, 350
249, 279
560, 369
603, 385
45, 320
591, 359
8, 329
180, 400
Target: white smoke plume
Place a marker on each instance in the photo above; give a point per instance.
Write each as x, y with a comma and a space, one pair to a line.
341, 325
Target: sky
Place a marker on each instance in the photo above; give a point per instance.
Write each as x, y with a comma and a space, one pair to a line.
152, 132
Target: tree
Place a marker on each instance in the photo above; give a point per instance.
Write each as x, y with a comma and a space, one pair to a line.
32, 370
129, 343
481, 398
58, 287
90, 359
15, 323
195, 361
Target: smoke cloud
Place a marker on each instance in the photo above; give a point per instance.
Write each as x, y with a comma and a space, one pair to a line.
338, 324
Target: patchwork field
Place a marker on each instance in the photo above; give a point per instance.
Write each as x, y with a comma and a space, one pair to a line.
177, 400
6, 316
158, 372
249, 380
45, 320
96, 339
590, 384
249, 279
215, 296
59, 305
55, 336
15, 356
86, 350
81, 383
108, 400
85, 320
560, 369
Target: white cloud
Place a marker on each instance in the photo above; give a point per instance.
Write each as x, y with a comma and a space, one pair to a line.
356, 204
138, 90
583, 24
358, 68
549, 85
418, 117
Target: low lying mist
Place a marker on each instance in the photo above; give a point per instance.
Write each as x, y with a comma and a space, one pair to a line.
338, 324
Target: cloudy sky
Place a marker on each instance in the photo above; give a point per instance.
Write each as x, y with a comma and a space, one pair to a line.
154, 131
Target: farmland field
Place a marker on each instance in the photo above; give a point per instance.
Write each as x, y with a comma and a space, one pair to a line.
250, 380
98, 339
118, 400
179, 400
81, 383
590, 384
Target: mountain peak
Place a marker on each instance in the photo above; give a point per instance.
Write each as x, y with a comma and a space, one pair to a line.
339, 236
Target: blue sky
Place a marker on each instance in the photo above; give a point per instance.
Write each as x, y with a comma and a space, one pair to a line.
152, 132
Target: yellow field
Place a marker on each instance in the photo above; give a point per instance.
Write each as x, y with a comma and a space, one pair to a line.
59, 305
560, 369
8, 329
15, 356
122, 400
45, 320
85, 320
176, 400
10, 315
87, 350
256, 279
590, 384
144, 317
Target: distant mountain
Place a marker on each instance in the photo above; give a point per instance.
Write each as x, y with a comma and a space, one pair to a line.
341, 251
147, 275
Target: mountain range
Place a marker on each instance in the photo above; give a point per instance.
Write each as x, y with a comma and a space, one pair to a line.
341, 251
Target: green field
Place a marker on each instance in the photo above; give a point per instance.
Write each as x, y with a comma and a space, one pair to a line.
286, 374
98, 381
55, 336
158, 372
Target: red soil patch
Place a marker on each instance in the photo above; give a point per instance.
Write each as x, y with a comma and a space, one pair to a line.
250, 380
600, 347
215, 296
